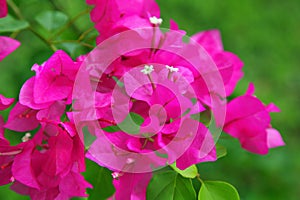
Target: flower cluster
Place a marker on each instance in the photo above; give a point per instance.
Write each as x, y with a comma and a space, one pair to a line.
164, 100
48, 162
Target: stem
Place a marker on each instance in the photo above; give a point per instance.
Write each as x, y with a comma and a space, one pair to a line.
70, 22
84, 34
15, 8
152, 84
18, 13
14, 34
199, 179
74, 41
52, 46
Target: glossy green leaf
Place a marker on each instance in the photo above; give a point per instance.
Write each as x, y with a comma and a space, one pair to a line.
111, 129
52, 20
190, 172
101, 180
10, 24
169, 185
217, 190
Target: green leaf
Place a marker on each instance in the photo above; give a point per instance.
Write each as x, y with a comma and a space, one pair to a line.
88, 137
137, 119
111, 129
51, 20
204, 117
132, 123
10, 24
221, 151
190, 172
217, 190
169, 185
101, 180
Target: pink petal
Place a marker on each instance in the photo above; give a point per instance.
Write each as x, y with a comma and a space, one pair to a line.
132, 186
73, 185
3, 140
49, 88
20, 188
5, 102
60, 154
22, 167
210, 40
54, 79
7, 45
256, 144
243, 106
201, 150
230, 67
272, 108
251, 89
22, 118
274, 138
3, 9
26, 96
53, 112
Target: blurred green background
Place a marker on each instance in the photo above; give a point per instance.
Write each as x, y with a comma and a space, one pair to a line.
264, 34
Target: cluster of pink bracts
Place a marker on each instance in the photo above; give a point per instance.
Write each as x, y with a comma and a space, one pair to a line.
47, 164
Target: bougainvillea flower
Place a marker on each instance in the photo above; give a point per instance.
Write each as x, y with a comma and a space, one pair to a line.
5, 102
161, 101
7, 45
7, 154
54, 79
50, 164
111, 17
22, 118
229, 65
3, 9
26, 96
248, 119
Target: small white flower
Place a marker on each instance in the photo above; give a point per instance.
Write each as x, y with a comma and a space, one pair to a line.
116, 175
172, 69
130, 161
12, 179
26, 137
147, 69
155, 21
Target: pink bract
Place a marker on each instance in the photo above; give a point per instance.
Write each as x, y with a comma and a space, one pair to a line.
54, 79
5, 102
248, 119
7, 45
22, 118
114, 16
131, 185
50, 165
3, 9
230, 66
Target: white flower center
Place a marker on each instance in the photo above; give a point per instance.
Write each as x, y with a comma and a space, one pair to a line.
147, 69
116, 175
172, 69
26, 137
155, 21
130, 160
